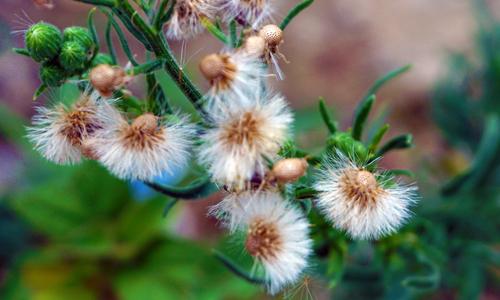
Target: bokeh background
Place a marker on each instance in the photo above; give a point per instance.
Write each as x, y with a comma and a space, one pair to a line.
79, 233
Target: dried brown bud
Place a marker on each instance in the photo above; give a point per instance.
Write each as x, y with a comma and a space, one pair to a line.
146, 122
106, 78
272, 34
289, 170
212, 66
255, 45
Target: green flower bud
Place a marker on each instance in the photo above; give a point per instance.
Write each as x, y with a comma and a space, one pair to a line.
73, 57
346, 144
80, 35
52, 75
101, 59
43, 41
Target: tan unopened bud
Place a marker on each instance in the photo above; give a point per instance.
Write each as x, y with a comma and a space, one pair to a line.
105, 79
212, 66
290, 169
272, 34
146, 122
255, 45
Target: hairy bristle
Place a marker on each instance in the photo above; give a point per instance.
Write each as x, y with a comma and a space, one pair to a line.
78, 125
263, 240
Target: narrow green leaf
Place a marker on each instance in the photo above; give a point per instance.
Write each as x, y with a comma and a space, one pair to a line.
170, 204
122, 39
400, 142
158, 18
483, 162
93, 30
132, 28
294, 12
109, 42
146, 68
361, 115
377, 138
327, 116
210, 27
198, 189
384, 79
39, 91
233, 34
398, 172
21, 51
237, 270
108, 3
169, 12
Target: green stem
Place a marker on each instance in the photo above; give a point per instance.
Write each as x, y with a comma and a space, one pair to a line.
146, 67
161, 50
305, 193
190, 192
237, 270
158, 18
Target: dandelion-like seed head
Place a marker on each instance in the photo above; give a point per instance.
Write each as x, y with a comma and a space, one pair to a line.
251, 12
277, 234
144, 148
60, 133
244, 133
354, 199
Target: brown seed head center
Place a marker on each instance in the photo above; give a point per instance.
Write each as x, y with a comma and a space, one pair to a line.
361, 187
143, 132
243, 130
78, 125
263, 240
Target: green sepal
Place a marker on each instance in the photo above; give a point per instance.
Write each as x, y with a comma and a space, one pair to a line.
21, 51
101, 59
39, 91
52, 75
43, 41
345, 143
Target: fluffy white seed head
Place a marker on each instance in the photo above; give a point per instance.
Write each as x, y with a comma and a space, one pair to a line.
60, 133
244, 133
355, 200
232, 75
145, 148
186, 20
277, 234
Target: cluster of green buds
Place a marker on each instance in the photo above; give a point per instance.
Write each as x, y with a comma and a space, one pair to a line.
61, 55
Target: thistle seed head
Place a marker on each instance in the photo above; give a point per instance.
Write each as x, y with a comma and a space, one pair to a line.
289, 170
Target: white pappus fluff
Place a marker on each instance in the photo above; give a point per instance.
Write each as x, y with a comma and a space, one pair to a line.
277, 235
243, 74
59, 133
251, 12
186, 20
244, 132
355, 200
142, 150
